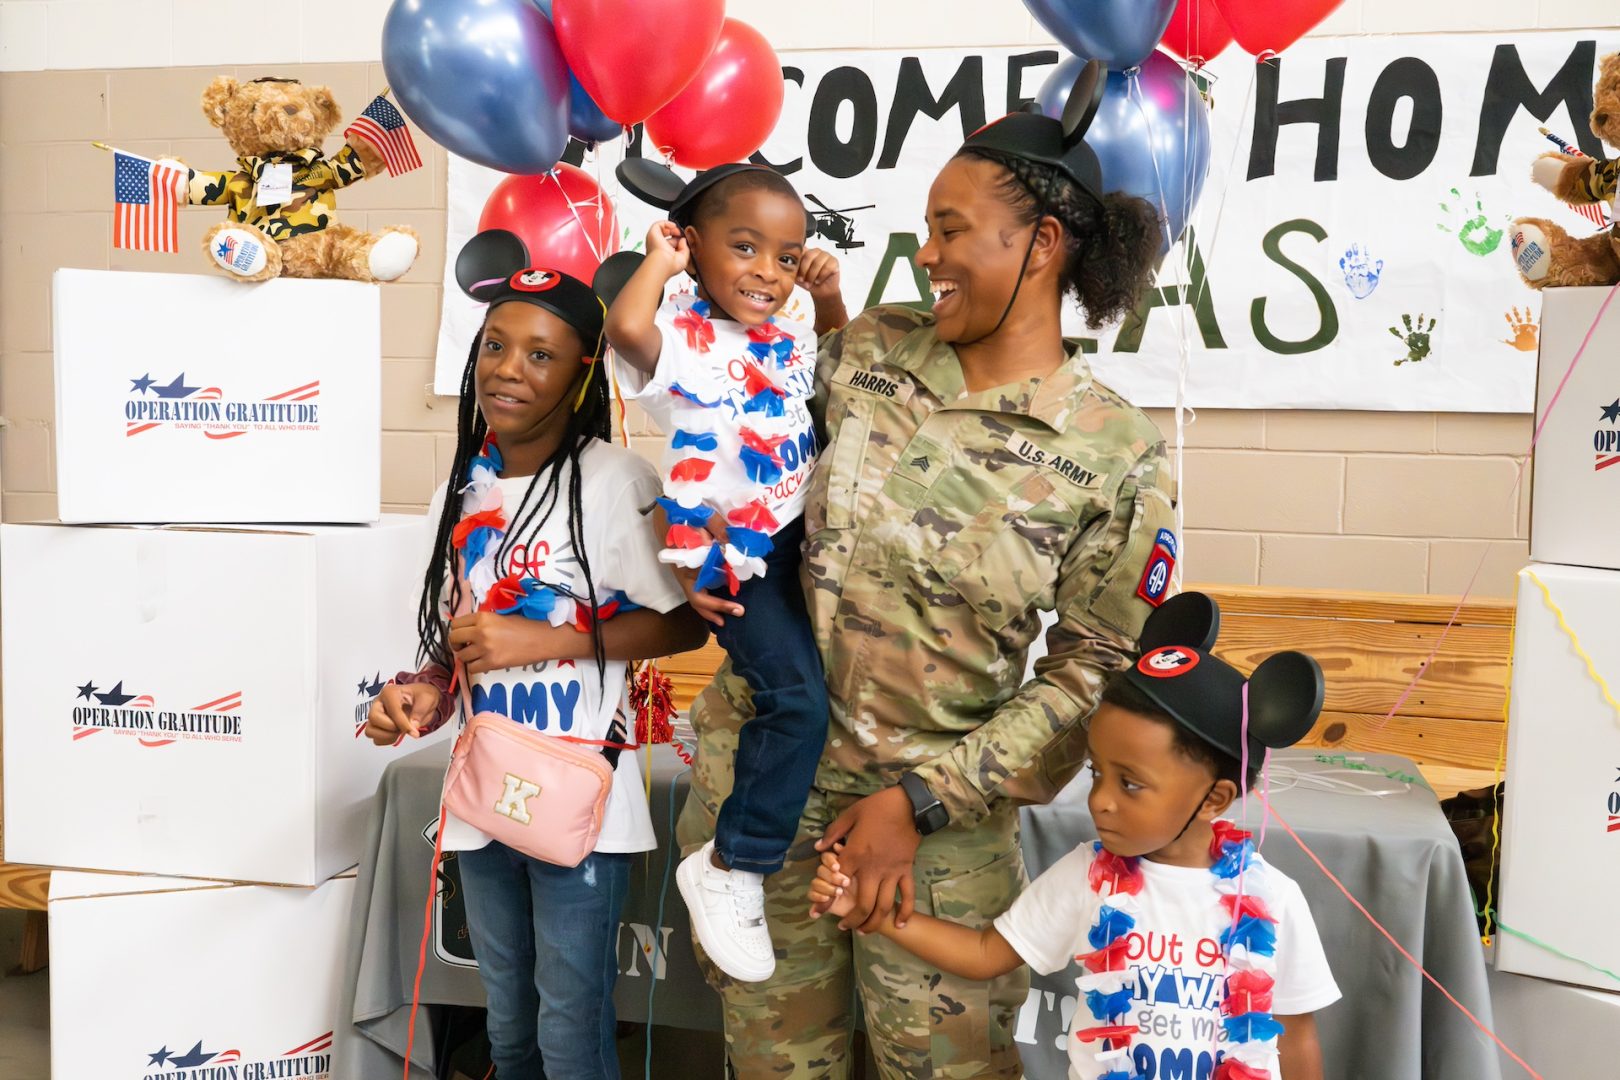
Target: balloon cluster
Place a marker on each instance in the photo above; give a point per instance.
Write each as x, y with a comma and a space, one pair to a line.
1151, 133
505, 83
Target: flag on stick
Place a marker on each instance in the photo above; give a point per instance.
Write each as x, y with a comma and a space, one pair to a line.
147, 196
384, 127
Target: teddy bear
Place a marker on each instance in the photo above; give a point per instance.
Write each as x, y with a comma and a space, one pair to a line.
282, 195
1543, 252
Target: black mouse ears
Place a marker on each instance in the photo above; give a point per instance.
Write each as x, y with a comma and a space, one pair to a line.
1285, 692
660, 187
1285, 698
488, 262
1085, 98
1190, 619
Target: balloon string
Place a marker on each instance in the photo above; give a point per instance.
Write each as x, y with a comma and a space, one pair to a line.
1357, 904
1513, 495
1226, 188
1133, 83
1574, 641
1488, 913
1561, 954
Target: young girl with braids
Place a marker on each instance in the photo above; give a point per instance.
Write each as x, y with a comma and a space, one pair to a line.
542, 581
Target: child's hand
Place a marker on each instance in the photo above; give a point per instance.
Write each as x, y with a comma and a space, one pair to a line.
485, 641
818, 274
400, 711
711, 607
829, 893
666, 248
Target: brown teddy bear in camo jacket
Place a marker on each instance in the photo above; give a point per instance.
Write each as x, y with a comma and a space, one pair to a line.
282, 195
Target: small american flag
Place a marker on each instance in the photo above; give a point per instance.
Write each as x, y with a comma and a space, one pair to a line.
147, 197
382, 126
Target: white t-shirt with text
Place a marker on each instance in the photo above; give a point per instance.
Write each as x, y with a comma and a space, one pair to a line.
567, 697
1174, 953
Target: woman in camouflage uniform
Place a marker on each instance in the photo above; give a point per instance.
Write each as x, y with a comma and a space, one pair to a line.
974, 475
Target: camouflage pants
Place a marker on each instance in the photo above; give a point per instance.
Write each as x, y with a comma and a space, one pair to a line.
921, 1022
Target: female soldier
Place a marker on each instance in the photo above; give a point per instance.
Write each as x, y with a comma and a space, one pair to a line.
975, 475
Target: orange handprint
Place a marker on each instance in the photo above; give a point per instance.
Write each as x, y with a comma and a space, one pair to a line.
1523, 328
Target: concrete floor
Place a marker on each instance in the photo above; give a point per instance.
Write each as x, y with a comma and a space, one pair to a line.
25, 1010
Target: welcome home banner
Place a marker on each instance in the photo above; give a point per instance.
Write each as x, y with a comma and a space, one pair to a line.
1349, 250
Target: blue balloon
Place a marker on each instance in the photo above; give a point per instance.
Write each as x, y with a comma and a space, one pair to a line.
1120, 33
586, 121
1151, 134
484, 78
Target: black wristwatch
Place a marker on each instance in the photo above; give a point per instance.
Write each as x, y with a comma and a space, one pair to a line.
927, 812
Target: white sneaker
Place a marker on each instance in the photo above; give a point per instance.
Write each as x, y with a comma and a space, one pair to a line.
727, 908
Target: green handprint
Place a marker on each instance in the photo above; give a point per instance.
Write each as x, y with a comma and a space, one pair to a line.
1475, 234
1416, 339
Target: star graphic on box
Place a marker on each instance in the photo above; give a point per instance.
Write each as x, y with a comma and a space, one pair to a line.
159, 1057
142, 384
86, 690
116, 696
1611, 412
176, 389
195, 1057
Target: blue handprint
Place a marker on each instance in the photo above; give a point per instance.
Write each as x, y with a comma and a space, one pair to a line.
1361, 272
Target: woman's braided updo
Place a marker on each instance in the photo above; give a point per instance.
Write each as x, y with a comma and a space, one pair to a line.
1111, 250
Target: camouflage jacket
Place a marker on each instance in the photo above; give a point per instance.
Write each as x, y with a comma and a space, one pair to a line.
939, 524
313, 205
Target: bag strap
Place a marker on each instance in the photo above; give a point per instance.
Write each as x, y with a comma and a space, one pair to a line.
427, 928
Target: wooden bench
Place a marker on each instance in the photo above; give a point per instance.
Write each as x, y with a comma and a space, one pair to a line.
1370, 645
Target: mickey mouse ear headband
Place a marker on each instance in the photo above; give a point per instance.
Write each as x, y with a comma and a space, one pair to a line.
658, 185
1204, 693
493, 268
1060, 143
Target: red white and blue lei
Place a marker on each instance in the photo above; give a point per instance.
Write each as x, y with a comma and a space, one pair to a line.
749, 526
477, 539
1248, 946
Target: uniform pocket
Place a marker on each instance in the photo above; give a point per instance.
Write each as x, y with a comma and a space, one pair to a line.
1121, 600
1004, 559
839, 471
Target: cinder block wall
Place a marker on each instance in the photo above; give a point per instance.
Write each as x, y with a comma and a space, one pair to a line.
1400, 502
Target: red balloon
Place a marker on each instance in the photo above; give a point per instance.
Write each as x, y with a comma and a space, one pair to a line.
1270, 26
633, 56
1197, 32
730, 107
537, 209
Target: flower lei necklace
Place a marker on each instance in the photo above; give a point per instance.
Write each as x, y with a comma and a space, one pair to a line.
687, 542
477, 537
1248, 947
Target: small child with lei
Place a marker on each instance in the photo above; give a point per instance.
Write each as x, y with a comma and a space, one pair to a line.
730, 384
1197, 958
543, 579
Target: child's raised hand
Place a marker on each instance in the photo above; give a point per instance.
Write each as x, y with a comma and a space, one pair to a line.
666, 248
400, 711
829, 892
711, 607
818, 274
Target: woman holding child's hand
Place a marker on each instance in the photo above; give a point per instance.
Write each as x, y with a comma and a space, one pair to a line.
972, 475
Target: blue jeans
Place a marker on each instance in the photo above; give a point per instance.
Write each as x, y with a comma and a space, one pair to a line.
774, 649
546, 939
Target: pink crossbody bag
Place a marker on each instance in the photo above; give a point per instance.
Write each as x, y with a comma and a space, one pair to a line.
543, 795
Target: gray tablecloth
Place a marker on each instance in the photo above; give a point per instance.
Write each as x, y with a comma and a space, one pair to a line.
1384, 838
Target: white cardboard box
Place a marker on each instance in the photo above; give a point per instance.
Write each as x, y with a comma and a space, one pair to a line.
1561, 823
211, 981
183, 397
185, 701
1575, 478
1564, 1032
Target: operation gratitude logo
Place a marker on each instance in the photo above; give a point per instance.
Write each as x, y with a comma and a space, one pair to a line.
185, 406
137, 714
311, 1061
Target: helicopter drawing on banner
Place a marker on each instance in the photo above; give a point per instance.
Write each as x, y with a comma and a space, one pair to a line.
837, 225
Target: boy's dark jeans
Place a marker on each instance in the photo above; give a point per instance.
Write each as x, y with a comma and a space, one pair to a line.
773, 647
